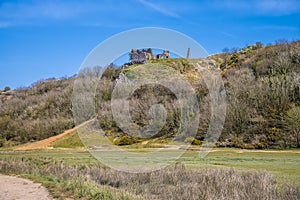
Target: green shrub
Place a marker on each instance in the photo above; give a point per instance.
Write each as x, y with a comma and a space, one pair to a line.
106, 95
249, 146
2, 141
193, 141
261, 145
111, 73
7, 88
238, 142
275, 137
125, 140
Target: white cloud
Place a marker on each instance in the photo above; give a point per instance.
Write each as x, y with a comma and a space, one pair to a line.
88, 13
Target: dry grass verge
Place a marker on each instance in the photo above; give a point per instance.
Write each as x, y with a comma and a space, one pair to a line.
175, 182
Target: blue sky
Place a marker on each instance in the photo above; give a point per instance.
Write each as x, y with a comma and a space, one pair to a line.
44, 39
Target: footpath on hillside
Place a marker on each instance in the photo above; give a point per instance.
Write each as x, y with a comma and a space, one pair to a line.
16, 188
46, 142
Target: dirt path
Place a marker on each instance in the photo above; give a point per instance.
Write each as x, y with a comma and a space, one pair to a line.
46, 142
14, 188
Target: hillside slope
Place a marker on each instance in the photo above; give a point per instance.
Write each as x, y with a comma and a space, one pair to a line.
263, 101
37, 112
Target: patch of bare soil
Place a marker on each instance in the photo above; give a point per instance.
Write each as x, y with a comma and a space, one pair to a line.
15, 188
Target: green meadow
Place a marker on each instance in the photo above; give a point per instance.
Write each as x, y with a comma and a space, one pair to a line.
283, 165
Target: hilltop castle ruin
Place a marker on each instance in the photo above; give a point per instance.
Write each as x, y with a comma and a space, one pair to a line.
142, 56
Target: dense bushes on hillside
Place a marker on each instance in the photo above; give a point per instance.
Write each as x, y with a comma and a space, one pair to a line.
38, 112
263, 97
263, 101
262, 94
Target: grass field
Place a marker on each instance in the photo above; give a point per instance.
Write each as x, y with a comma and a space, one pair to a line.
283, 165
222, 174
68, 170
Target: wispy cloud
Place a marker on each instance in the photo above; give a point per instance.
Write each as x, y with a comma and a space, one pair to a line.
90, 12
263, 7
87, 13
227, 34
159, 9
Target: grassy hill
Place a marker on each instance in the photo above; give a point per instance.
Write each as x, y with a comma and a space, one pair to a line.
263, 101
